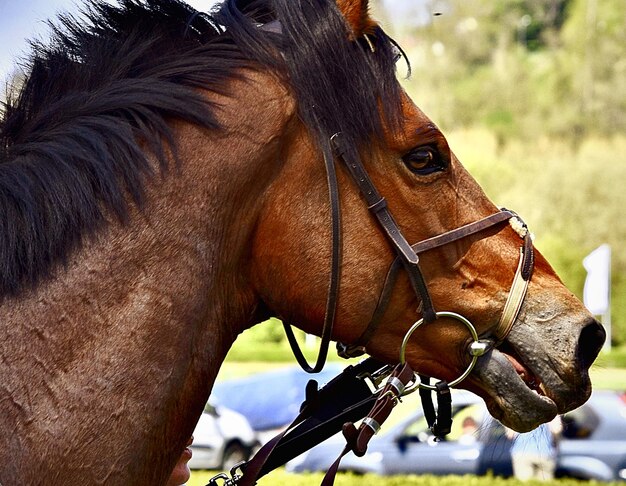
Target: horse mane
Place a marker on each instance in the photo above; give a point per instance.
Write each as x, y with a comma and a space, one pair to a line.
73, 139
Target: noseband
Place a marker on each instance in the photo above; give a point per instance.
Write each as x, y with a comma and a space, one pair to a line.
407, 257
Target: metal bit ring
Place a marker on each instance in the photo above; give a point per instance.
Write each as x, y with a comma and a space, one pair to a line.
474, 345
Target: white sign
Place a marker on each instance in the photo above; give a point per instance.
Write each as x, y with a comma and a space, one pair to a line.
596, 294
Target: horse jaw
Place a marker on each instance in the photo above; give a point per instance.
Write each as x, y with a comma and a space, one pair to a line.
508, 398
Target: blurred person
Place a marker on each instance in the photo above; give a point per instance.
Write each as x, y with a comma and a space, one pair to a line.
181, 473
534, 453
469, 430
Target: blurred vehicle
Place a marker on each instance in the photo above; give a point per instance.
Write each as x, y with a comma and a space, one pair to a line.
593, 444
409, 447
272, 398
221, 439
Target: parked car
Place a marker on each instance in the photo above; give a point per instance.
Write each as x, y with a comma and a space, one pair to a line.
409, 447
222, 438
593, 444
594, 439
272, 398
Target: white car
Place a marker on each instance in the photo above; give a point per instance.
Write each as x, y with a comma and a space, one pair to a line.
222, 438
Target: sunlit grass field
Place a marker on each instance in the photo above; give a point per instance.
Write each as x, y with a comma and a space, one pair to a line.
282, 478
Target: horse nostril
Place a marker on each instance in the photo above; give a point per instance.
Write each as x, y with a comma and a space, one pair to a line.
592, 338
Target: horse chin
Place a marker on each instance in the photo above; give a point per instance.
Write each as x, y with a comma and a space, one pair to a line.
513, 394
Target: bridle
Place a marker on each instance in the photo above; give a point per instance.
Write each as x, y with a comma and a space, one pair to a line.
347, 398
407, 257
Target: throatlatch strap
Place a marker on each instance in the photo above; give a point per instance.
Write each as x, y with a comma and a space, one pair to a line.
333, 285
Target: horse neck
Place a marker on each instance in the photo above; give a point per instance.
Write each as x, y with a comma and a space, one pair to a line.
131, 334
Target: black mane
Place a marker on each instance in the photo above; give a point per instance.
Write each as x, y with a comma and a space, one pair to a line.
117, 75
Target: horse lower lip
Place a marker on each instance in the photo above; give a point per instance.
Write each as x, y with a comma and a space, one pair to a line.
509, 398
528, 377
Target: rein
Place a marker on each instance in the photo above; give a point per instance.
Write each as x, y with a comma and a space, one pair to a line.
333, 285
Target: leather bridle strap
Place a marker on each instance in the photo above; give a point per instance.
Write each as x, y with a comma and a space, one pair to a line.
519, 286
378, 206
476, 228
464, 231
333, 286
440, 420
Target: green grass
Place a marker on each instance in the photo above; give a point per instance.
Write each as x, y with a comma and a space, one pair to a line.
282, 478
608, 378
616, 358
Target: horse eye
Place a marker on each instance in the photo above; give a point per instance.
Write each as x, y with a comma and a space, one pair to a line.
423, 161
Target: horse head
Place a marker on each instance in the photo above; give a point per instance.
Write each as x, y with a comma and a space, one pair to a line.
535, 371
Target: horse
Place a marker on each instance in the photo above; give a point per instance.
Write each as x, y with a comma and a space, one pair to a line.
163, 189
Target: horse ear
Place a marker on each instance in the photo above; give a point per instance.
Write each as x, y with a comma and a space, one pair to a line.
356, 12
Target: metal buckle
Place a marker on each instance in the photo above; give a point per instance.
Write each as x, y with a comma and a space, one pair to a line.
477, 348
236, 473
347, 351
394, 397
214, 479
375, 380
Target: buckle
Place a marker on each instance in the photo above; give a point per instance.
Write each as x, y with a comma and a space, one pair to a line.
214, 479
347, 351
236, 473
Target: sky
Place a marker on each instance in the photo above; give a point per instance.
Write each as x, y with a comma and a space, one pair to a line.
21, 20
